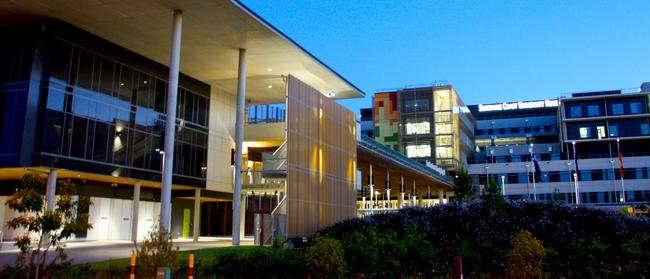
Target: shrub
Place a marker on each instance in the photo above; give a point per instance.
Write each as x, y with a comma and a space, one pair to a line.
256, 262
157, 250
325, 258
580, 242
526, 258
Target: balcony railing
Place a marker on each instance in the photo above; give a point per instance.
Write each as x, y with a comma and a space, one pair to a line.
272, 113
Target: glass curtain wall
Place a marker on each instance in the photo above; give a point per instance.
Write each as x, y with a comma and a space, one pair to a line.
111, 114
444, 126
15, 68
417, 132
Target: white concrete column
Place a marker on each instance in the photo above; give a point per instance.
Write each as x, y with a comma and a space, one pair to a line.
239, 141
170, 128
135, 211
372, 189
401, 193
242, 220
441, 197
388, 186
196, 226
414, 195
50, 193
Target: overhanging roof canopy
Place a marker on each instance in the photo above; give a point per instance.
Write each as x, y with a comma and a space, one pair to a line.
213, 31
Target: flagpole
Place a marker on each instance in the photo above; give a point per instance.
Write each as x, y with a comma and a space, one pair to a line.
620, 162
611, 162
575, 174
533, 168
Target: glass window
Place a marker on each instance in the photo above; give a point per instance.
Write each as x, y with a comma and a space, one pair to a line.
635, 107
126, 83
442, 100
443, 128
107, 76
86, 66
421, 150
613, 130
576, 111
592, 110
601, 132
78, 147
644, 128
444, 152
55, 99
617, 109
60, 60
443, 140
420, 126
584, 132
443, 116
420, 104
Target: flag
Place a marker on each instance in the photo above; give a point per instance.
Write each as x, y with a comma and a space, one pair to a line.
620, 162
538, 171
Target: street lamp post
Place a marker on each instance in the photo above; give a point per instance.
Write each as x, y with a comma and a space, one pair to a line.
575, 174
503, 185
528, 179
532, 154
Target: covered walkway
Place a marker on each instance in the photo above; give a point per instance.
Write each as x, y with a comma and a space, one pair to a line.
391, 181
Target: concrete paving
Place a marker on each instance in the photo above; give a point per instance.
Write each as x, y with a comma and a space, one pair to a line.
95, 251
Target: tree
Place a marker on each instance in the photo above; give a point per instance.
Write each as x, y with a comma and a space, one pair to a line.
464, 189
526, 258
49, 228
492, 192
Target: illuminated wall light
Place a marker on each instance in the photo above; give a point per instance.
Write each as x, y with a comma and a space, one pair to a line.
269, 86
117, 144
269, 70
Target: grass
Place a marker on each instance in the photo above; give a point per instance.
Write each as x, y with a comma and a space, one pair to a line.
205, 255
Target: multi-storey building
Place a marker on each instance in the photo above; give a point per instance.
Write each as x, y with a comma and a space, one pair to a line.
197, 115
532, 148
608, 133
142, 105
426, 123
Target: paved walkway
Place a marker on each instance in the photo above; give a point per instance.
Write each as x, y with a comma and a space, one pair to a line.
95, 251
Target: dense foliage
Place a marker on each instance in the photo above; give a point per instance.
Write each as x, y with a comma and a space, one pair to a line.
526, 259
579, 242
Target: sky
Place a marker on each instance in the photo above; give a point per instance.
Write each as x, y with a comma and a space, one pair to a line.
490, 51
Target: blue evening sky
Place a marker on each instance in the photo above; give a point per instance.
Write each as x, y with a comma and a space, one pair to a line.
488, 50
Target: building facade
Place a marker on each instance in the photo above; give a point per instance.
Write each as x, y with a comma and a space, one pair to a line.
566, 148
84, 96
427, 124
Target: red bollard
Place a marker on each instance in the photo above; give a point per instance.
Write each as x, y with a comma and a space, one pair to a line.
458, 267
190, 272
132, 273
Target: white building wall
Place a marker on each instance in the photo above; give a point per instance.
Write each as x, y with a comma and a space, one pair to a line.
111, 218
565, 186
220, 140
